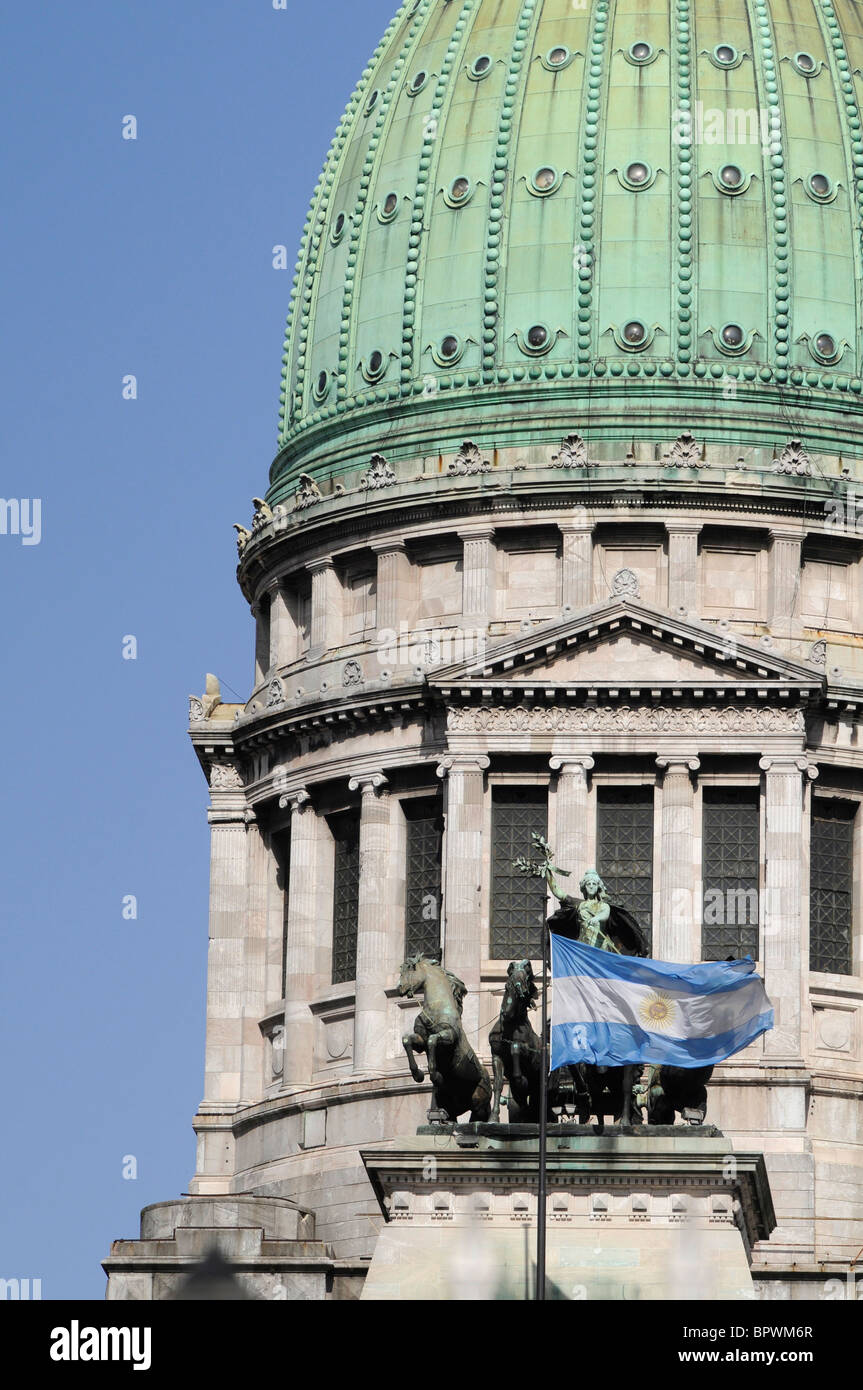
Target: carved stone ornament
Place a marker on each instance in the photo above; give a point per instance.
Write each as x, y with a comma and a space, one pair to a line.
263, 514
275, 693
818, 653
794, 460
352, 673
244, 535
467, 461
307, 493
625, 584
573, 453
196, 709
623, 719
380, 474
685, 452
224, 777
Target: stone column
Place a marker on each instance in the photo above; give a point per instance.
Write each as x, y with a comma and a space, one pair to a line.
785, 562
373, 920
781, 920
326, 607
283, 629
393, 586
229, 817
682, 566
261, 615
301, 938
573, 842
477, 577
463, 878
675, 935
577, 564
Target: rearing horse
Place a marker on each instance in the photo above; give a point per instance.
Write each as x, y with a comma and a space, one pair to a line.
459, 1079
516, 1054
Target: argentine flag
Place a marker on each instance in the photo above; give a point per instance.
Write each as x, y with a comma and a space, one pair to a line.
612, 1010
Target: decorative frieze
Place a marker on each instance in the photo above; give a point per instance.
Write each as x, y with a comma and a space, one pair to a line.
685, 452
793, 460
573, 453
621, 719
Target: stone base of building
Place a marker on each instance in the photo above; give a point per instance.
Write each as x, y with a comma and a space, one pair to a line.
267, 1243
662, 1214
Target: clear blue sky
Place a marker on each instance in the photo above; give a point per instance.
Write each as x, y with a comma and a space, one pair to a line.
151, 257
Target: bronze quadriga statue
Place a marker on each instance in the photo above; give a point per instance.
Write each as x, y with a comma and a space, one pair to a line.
461, 1082
516, 1056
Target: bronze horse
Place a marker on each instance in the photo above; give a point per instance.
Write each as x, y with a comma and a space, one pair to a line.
611, 1089
459, 1079
515, 1049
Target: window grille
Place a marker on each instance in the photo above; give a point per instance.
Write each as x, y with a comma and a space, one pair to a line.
346, 896
518, 903
730, 856
422, 877
624, 850
831, 875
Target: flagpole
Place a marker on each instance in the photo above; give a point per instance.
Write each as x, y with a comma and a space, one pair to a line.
543, 1125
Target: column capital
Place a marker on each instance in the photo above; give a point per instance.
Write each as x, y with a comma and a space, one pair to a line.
463, 762
326, 562
581, 762
482, 533
578, 527
682, 526
785, 765
395, 545
297, 800
678, 765
369, 783
784, 533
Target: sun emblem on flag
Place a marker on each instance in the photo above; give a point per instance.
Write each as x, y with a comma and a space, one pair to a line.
657, 1010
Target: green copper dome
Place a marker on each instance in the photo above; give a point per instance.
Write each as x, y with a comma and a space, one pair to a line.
620, 218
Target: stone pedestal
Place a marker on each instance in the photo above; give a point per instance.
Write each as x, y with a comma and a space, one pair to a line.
267, 1242
660, 1213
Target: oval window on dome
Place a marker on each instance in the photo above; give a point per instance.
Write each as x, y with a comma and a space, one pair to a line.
821, 187
546, 180
480, 67
459, 191
372, 102
725, 55
375, 367
634, 333
732, 336
448, 350
637, 175
338, 230
641, 52
322, 385
417, 83
536, 341
388, 209
824, 347
557, 58
731, 177
805, 64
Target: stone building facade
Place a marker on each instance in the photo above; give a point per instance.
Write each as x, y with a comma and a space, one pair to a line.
562, 536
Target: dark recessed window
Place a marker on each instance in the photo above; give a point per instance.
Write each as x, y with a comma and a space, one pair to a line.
725, 55
417, 83
557, 57
537, 336
460, 189
517, 902
449, 346
732, 335
805, 62
424, 827
339, 227
322, 383
729, 871
624, 849
637, 173
346, 896
831, 885
634, 333
376, 361
731, 176
640, 52
391, 203
372, 102
825, 345
480, 66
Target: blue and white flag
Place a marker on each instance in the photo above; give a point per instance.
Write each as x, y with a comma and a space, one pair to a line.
612, 1010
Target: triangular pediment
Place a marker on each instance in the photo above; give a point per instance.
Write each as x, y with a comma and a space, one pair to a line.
620, 643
